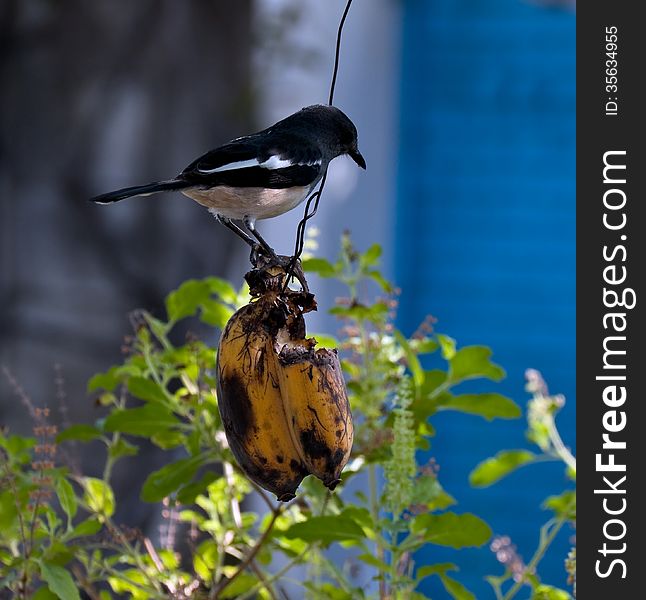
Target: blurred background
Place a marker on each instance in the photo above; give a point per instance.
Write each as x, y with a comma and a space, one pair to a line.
465, 111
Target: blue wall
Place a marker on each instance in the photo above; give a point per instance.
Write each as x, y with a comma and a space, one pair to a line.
486, 234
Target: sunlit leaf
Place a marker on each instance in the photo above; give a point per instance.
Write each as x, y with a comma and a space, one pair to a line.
496, 467
488, 405
84, 528
215, 313
326, 529
320, 266
447, 346
451, 529
563, 505
98, 496
547, 592
412, 360
222, 288
370, 257
185, 300
473, 361
168, 439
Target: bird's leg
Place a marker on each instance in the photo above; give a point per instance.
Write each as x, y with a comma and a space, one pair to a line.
237, 230
251, 226
255, 246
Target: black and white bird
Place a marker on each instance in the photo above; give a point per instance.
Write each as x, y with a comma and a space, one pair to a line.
262, 175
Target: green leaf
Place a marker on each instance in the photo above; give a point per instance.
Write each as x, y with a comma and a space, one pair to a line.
325, 341
185, 300
146, 389
473, 361
437, 569
432, 380
8, 513
59, 581
243, 583
82, 433
223, 289
563, 505
488, 405
491, 470
85, 528
98, 496
146, 420
547, 592
451, 529
428, 491
44, 593
373, 561
168, 439
456, 589
326, 529
205, 559
383, 283
66, 497
412, 360
361, 516
104, 381
370, 257
187, 493
169, 478
320, 266
447, 346
330, 591
375, 313
159, 328
122, 448
215, 313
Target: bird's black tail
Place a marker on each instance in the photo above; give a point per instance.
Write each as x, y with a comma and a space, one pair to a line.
141, 190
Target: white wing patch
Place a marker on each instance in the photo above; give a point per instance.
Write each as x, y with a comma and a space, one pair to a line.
273, 162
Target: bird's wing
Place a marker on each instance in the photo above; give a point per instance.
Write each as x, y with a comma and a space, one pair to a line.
267, 161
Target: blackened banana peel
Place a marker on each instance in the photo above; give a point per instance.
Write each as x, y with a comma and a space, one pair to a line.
283, 403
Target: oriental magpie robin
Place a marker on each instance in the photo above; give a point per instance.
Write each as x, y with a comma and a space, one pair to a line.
262, 175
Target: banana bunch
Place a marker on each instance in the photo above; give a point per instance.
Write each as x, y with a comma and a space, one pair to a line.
283, 403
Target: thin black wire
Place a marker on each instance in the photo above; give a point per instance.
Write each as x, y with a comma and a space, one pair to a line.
338, 50
316, 196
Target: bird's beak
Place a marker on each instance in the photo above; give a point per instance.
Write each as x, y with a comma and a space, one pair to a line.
356, 157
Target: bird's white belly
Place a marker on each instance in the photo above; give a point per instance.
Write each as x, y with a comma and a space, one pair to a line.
257, 203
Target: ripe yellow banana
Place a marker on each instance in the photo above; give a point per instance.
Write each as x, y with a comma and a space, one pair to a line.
283, 404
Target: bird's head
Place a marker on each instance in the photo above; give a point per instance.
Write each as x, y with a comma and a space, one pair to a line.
341, 133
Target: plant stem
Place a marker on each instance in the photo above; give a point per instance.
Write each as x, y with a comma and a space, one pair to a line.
374, 511
285, 568
546, 538
218, 589
564, 454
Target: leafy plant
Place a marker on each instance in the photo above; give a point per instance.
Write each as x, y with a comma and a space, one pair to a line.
57, 528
